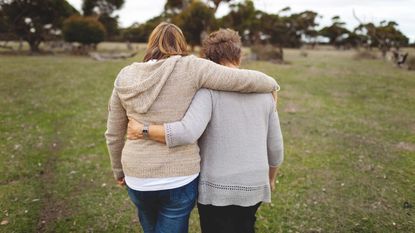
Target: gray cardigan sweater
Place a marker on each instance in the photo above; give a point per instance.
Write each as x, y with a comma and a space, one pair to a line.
159, 92
241, 140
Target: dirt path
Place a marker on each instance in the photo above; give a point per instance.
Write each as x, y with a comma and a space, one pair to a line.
52, 208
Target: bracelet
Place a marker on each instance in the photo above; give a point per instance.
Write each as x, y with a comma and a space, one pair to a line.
145, 131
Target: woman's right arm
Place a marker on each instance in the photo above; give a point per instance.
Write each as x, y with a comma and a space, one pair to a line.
193, 124
115, 134
217, 77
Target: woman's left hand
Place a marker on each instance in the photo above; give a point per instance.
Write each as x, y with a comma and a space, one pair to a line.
134, 130
121, 182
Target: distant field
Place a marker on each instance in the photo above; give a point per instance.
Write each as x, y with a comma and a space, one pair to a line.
348, 127
104, 46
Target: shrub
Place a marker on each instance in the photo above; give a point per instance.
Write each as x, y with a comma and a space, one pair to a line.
134, 34
267, 53
303, 53
84, 30
365, 54
411, 62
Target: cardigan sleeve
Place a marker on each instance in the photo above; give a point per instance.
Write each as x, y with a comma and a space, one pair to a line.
275, 146
217, 77
193, 124
115, 134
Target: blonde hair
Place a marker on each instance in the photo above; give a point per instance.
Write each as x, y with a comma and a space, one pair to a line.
223, 45
165, 40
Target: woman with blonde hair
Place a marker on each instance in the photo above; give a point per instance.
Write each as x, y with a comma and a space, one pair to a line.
162, 182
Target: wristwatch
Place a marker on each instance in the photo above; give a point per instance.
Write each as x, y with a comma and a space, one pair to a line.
145, 131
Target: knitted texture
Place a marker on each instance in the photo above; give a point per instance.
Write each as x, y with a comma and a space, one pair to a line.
224, 195
160, 92
239, 138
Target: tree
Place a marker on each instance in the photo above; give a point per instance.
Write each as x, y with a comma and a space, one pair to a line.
277, 31
4, 26
100, 7
104, 10
5, 31
141, 32
134, 33
353, 40
245, 19
336, 33
86, 30
194, 20
216, 3
35, 20
257, 27
304, 24
384, 36
174, 7
110, 24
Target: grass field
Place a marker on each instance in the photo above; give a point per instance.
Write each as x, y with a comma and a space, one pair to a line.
349, 135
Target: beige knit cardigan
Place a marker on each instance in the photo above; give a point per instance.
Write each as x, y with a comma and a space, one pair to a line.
159, 92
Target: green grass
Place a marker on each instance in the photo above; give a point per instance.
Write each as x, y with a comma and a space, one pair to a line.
348, 127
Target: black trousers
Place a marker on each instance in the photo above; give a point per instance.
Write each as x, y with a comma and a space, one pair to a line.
227, 219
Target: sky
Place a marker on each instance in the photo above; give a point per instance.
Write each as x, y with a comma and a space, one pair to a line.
400, 11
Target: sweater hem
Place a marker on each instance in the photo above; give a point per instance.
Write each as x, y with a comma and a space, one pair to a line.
162, 171
241, 195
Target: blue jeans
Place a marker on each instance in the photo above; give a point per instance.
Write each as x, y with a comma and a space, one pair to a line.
165, 211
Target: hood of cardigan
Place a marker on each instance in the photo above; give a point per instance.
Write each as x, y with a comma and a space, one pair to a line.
140, 83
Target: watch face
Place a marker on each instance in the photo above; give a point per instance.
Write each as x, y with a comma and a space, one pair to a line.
145, 131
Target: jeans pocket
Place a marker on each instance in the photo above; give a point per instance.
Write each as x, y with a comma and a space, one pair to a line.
191, 190
185, 194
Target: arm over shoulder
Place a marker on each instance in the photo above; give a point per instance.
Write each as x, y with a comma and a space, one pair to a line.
217, 77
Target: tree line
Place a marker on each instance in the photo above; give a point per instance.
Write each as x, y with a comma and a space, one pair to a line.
36, 21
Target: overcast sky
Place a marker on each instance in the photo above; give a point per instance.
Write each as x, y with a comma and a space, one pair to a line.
401, 11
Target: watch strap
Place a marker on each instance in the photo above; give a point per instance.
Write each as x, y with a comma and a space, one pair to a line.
145, 131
